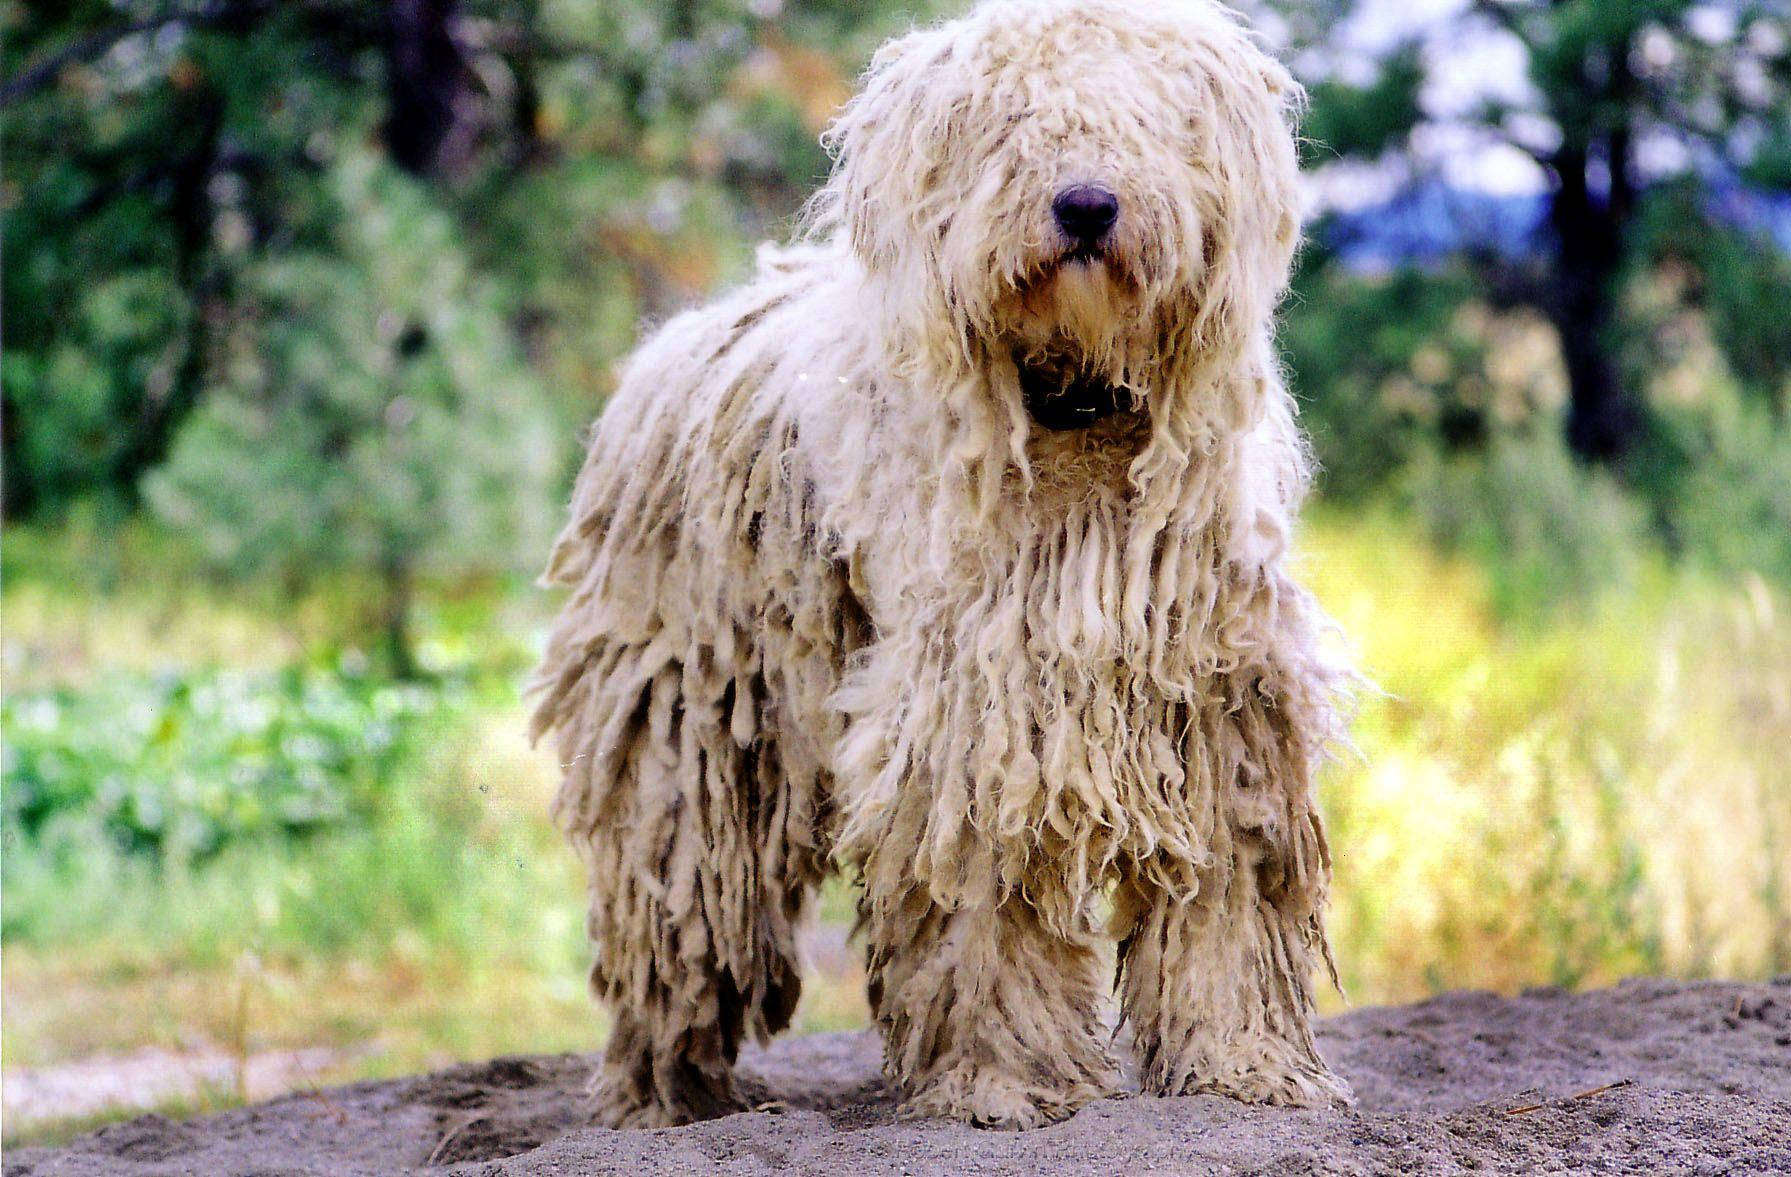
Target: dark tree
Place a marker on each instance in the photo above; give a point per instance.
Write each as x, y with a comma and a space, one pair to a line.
426, 86
1713, 80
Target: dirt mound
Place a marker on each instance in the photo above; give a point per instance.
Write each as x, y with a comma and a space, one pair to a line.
1652, 1076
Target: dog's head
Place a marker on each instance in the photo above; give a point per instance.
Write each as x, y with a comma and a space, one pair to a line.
1097, 192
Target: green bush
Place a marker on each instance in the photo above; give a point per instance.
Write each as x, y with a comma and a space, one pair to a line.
1548, 530
1720, 483
1349, 343
177, 767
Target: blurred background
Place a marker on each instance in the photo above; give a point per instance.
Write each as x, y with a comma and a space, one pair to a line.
306, 303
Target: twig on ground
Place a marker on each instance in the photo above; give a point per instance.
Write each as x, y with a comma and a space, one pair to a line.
330, 1106
309, 1079
1526, 1109
436, 1152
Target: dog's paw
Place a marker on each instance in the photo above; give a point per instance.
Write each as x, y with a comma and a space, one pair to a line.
618, 1101
1268, 1073
991, 1099
1295, 1087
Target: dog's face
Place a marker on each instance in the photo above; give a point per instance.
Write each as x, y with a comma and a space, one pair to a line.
1086, 189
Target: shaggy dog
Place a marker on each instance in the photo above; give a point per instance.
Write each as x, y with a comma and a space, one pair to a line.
951, 551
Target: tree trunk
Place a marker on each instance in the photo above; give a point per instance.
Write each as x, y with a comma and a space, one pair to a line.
1604, 417
160, 414
425, 77
395, 571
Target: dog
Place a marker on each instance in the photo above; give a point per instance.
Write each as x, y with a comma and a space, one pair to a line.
951, 551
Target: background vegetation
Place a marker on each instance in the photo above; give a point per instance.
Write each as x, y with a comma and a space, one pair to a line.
306, 304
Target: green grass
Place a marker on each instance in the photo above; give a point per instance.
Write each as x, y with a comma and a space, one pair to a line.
1587, 792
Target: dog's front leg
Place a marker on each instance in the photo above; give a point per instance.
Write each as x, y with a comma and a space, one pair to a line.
1216, 964
1217, 991
989, 1015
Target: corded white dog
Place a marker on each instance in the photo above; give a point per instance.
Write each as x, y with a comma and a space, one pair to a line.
951, 551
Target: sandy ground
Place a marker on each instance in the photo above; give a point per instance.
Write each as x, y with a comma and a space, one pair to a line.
1652, 1077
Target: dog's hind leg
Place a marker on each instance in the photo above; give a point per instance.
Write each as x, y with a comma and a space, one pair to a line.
680, 809
1216, 979
988, 1015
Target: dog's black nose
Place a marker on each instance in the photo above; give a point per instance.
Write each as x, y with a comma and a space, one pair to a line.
1085, 212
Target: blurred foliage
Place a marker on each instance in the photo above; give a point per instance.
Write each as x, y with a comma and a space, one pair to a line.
1351, 346
1731, 508
1546, 529
1739, 280
179, 766
336, 285
1345, 120
1606, 82
1555, 803
373, 412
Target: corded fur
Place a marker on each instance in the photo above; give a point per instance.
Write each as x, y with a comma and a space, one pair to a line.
835, 600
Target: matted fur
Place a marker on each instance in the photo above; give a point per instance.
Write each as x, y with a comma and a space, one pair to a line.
837, 601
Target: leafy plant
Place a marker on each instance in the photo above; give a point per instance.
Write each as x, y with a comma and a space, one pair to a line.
177, 767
